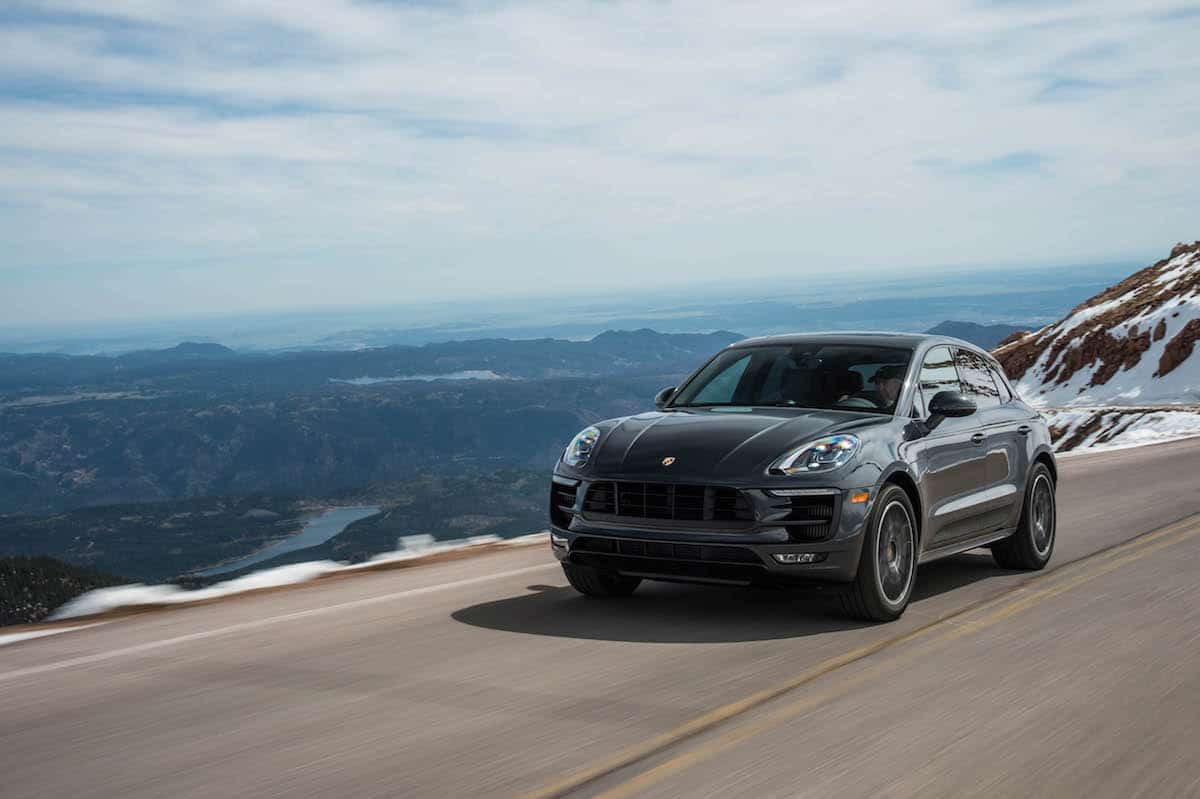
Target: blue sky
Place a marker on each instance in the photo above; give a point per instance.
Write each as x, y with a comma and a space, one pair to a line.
164, 158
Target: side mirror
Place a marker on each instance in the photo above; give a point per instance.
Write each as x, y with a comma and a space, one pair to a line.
949, 404
663, 397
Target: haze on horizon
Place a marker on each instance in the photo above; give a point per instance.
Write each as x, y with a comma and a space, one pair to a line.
159, 158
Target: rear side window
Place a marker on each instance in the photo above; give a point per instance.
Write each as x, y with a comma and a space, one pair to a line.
977, 381
938, 373
1005, 393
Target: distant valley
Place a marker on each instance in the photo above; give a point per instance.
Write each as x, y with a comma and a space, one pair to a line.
86, 431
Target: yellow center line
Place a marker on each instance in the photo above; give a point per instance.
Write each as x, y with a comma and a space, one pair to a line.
956, 620
1148, 546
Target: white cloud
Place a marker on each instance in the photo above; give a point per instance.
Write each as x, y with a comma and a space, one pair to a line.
309, 152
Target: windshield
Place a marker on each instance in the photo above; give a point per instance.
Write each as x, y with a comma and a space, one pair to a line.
806, 375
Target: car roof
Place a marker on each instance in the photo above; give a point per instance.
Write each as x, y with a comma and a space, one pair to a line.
858, 337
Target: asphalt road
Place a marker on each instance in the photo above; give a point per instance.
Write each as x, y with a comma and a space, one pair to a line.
487, 677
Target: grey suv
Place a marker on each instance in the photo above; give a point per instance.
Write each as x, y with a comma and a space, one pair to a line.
837, 458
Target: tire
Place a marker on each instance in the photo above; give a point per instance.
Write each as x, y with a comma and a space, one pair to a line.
887, 567
1031, 546
598, 583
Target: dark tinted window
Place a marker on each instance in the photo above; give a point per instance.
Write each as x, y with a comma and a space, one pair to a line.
977, 382
804, 375
938, 373
724, 383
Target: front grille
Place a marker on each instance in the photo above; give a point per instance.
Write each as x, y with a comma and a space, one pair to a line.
668, 501
810, 518
668, 550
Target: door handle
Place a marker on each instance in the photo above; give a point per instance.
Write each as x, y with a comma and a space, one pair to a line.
1024, 429
977, 438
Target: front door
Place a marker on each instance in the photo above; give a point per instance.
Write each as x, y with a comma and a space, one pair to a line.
952, 460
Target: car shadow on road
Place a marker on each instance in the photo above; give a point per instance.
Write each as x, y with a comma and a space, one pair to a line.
678, 613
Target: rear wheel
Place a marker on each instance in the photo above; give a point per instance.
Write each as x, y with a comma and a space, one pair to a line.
596, 582
887, 567
1032, 545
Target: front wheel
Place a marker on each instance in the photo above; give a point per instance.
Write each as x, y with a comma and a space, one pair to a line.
1031, 546
599, 583
887, 568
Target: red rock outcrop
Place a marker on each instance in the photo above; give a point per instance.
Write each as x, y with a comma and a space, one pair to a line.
1179, 348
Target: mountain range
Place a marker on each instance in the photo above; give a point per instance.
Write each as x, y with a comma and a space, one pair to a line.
986, 336
207, 367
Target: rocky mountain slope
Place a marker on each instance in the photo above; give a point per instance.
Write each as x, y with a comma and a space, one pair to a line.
1117, 427
1132, 344
1122, 367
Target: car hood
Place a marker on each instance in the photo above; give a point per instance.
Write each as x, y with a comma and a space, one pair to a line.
708, 444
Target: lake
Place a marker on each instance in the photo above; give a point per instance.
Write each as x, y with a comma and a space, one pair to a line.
468, 374
316, 530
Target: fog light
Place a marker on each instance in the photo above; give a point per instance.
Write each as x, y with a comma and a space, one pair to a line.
559, 540
799, 557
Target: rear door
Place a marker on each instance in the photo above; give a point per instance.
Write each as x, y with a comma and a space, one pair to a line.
1017, 424
1002, 444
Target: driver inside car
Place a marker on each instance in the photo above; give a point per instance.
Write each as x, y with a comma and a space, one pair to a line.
888, 381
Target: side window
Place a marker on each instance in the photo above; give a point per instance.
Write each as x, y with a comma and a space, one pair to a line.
977, 381
722, 387
1005, 394
938, 373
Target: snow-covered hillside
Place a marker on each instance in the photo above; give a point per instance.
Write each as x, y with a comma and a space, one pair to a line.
1121, 368
1133, 344
1096, 429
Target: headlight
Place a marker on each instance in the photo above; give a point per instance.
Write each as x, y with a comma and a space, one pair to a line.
580, 448
823, 455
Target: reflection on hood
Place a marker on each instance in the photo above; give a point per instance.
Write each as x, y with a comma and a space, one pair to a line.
712, 442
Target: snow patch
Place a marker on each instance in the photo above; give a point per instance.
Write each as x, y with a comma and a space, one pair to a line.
102, 600
1175, 269
1075, 320
1122, 427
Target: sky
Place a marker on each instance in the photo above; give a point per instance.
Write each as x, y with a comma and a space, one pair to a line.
162, 158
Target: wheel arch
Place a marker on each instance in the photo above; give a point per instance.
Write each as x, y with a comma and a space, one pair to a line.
1045, 456
900, 477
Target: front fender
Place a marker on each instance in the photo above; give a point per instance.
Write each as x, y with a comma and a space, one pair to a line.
906, 476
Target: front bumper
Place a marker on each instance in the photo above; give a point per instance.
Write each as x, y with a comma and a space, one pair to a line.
741, 554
